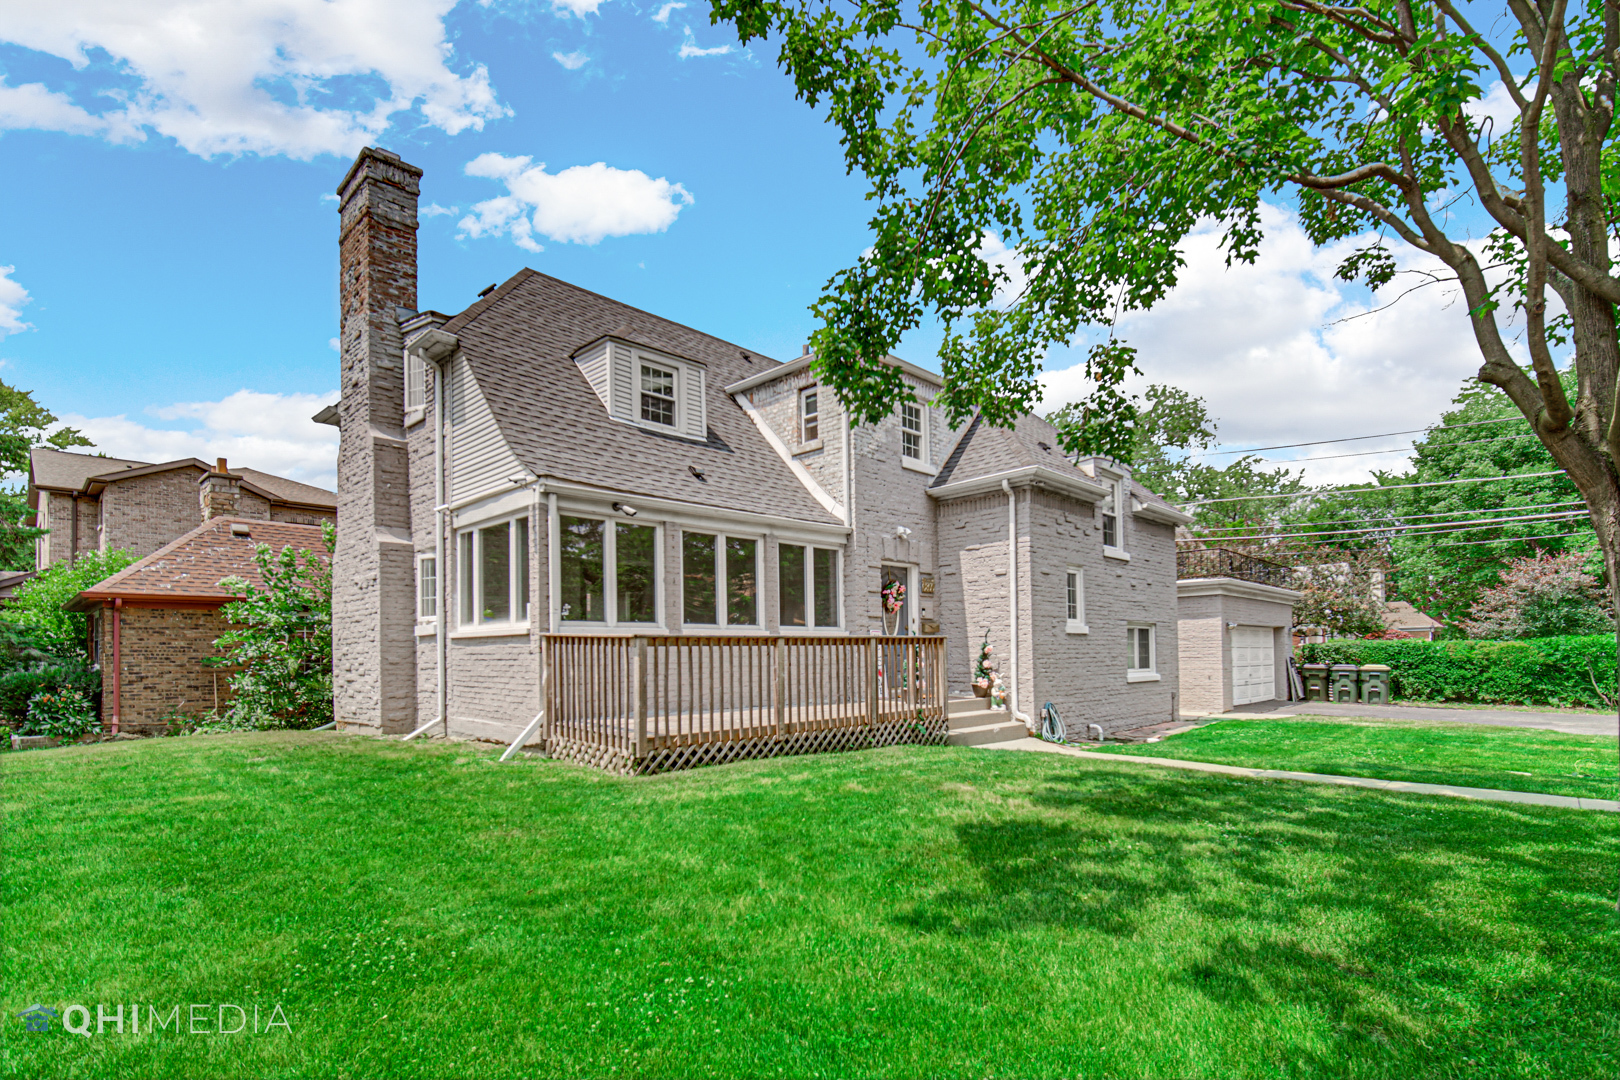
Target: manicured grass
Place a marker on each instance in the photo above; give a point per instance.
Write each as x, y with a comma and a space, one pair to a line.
422, 911
1471, 755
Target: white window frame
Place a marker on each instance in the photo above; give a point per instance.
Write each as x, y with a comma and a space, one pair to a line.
470, 579
811, 627
415, 385
806, 417
422, 580
1151, 672
610, 568
923, 462
1074, 621
720, 539
677, 381
1119, 493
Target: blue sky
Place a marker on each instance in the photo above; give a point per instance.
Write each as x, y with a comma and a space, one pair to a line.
166, 211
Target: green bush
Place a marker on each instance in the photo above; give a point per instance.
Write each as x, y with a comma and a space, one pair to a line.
64, 713
21, 686
1575, 671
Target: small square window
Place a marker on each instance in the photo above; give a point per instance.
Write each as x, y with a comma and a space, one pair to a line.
657, 395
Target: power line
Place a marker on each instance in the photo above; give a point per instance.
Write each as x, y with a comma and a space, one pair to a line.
1397, 450
1399, 517
1358, 438
1380, 488
1440, 528
1512, 539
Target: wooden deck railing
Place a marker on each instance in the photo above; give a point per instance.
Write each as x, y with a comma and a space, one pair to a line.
640, 704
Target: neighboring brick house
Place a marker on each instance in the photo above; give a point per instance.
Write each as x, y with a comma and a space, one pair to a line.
592, 469
91, 503
154, 623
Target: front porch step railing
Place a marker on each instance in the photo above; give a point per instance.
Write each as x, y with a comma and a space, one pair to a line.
652, 703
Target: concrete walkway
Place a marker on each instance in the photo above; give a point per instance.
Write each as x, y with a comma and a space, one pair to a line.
1530, 798
1572, 723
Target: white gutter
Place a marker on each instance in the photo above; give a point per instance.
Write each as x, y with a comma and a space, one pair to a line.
1012, 594
1037, 475
774, 373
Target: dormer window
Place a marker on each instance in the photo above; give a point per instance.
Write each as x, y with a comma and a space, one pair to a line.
657, 395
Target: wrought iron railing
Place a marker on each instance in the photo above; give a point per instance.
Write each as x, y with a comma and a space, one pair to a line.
1224, 562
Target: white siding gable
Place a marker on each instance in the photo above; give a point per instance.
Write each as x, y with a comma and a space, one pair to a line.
614, 371
480, 460
593, 364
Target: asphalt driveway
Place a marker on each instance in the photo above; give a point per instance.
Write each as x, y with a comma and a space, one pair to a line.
1575, 723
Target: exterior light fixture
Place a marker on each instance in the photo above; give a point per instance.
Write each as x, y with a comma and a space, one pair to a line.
627, 511
902, 532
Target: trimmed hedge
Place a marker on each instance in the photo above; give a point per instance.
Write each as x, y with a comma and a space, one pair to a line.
1539, 671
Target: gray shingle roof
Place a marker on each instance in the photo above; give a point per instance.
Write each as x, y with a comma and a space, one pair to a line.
60, 469
290, 490
985, 450
519, 341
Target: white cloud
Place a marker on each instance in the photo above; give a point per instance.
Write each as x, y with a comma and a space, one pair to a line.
1262, 345
583, 204
572, 61
435, 210
12, 298
293, 77
269, 432
1498, 109
994, 251
579, 8
689, 48
662, 14
334, 344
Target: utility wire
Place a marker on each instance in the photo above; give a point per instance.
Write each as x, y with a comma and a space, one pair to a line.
1380, 488
1397, 450
1441, 527
1394, 517
1358, 438
1510, 539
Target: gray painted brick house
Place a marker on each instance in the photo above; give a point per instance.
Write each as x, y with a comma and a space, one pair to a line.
550, 461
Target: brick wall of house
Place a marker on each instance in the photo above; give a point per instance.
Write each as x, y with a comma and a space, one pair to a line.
253, 506
56, 514
161, 670
142, 513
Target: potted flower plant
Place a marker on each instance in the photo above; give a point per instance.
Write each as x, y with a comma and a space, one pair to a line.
983, 670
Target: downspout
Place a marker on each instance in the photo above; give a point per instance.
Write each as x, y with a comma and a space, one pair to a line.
118, 661
1012, 595
73, 552
440, 570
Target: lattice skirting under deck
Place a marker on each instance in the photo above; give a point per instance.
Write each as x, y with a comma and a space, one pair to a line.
889, 733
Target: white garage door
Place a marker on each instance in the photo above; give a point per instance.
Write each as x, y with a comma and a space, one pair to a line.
1253, 665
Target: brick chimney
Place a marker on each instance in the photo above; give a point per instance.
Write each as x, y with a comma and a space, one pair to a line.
219, 493
373, 572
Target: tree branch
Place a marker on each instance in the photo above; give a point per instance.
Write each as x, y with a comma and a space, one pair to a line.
1557, 414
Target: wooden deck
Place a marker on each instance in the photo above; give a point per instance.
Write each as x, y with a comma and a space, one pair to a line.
646, 704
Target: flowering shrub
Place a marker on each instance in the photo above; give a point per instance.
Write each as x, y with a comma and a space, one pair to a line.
1543, 595
64, 713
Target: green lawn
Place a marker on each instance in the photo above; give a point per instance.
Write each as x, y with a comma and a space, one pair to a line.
1472, 755
422, 911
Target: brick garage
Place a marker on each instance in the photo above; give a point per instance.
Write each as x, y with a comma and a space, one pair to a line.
153, 625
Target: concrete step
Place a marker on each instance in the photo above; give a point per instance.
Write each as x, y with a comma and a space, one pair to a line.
985, 734
966, 705
977, 718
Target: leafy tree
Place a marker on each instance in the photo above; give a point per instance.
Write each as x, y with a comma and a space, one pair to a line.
1543, 595
1444, 575
24, 424
281, 639
1341, 594
1035, 168
37, 605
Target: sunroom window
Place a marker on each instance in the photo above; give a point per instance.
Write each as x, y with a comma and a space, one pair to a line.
807, 586
718, 578
493, 579
609, 571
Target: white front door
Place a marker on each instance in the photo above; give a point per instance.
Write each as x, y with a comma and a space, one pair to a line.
1254, 670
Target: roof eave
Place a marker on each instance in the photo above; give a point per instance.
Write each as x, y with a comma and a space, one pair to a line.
1028, 476
1163, 513
804, 361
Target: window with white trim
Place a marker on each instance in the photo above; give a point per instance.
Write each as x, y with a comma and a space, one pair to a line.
415, 381
807, 586
427, 587
912, 434
1141, 647
809, 415
1111, 510
492, 563
658, 402
719, 579
609, 571
1074, 595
